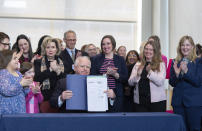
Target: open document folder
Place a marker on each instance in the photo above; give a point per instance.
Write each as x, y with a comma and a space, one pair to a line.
77, 84
88, 93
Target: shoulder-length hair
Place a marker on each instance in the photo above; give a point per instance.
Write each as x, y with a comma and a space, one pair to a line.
16, 45
46, 41
156, 60
192, 56
5, 58
112, 41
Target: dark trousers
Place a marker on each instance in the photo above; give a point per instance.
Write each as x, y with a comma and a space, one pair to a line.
191, 115
128, 104
151, 107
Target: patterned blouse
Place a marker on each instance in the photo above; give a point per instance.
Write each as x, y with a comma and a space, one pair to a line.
12, 94
103, 69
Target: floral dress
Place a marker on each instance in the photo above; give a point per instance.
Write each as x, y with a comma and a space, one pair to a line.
12, 94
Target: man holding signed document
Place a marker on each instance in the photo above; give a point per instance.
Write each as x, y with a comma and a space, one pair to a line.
82, 67
61, 94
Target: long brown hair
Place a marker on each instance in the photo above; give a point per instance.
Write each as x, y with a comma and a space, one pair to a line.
192, 56
16, 46
156, 60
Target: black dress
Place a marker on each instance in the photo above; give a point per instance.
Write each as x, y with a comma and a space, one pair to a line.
144, 87
128, 95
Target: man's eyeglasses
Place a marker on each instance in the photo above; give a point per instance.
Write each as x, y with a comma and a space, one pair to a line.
73, 40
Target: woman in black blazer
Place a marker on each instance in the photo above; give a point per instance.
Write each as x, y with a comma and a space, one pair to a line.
48, 70
107, 63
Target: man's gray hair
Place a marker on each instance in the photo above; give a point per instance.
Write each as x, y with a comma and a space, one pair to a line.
69, 31
78, 59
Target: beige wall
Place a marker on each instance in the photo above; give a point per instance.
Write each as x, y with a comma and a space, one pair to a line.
91, 19
185, 19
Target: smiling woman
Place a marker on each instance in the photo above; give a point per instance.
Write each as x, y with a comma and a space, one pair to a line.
185, 94
24, 46
114, 67
12, 93
148, 77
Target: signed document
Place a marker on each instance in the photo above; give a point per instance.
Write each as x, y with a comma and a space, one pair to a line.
96, 98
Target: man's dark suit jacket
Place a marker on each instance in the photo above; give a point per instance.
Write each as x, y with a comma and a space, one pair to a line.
60, 87
67, 60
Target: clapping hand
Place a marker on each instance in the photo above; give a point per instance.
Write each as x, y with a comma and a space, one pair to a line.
111, 71
19, 54
148, 68
26, 81
54, 66
176, 69
183, 66
36, 88
36, 57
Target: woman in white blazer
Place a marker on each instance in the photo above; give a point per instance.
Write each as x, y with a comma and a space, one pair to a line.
148, 77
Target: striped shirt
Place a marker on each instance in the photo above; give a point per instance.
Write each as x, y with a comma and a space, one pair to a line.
103, 70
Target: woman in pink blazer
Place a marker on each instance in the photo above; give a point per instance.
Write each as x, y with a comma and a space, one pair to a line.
148, 77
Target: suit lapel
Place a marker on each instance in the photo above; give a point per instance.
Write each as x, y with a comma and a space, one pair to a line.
68, 57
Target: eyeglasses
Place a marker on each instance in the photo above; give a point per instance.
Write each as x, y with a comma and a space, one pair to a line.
132, 55
73, 40
8, 44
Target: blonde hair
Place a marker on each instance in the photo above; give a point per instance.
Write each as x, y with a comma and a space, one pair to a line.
59, 40
192, 56
141, 49
89, 46
156, 60
46, 42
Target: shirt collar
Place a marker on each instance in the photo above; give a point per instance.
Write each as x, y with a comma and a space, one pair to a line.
69, 50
